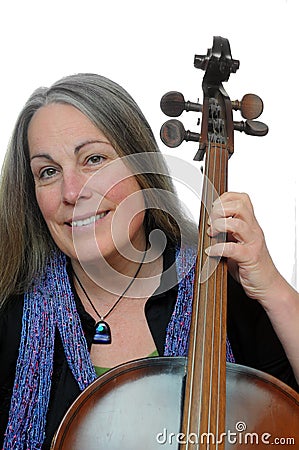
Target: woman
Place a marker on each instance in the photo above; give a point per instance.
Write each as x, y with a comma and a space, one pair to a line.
84, 191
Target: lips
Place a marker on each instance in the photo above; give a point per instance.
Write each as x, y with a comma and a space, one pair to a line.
84, 222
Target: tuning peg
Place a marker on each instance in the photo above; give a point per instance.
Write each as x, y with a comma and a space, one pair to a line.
252, 127
173, 133
251, 106
173, 104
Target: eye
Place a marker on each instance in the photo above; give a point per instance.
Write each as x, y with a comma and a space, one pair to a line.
49, 172
95, 160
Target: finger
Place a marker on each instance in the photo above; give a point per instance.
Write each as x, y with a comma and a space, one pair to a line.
234, 196
228, 225
232, 250
235, 208
235, 205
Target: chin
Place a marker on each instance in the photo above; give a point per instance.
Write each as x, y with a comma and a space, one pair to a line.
87, 253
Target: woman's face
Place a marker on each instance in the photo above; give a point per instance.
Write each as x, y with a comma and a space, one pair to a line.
90, 201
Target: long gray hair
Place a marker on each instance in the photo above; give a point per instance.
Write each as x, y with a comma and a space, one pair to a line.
25, 241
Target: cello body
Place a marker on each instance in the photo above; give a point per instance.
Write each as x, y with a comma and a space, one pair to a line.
139, 405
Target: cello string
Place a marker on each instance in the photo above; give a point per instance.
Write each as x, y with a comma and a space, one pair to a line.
209, 196
220, 163
217, 181
223, 188
207, 264
219, 330
196, 319
220, 190
215, 299
204, 211
222, 182
213, 305
219, 153
212, 282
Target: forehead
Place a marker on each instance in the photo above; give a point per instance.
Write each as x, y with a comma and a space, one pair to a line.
59, 122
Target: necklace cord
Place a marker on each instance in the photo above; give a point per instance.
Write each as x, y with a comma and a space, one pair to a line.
119, 298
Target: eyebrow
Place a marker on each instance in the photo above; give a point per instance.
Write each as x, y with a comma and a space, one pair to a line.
76, 151
42, 155
78, 148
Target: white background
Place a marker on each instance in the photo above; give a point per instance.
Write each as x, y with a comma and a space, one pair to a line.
148, 47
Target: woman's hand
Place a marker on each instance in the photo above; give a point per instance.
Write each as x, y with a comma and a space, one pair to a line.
250, 263
249, 260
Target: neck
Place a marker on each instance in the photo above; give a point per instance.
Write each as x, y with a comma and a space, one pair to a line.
103, 280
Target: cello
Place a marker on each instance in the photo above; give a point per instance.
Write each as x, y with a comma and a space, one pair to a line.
198, 402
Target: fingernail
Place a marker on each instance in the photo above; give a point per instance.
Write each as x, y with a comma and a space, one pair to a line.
208, 250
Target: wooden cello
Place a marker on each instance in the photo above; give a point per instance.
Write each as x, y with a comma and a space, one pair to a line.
198, 402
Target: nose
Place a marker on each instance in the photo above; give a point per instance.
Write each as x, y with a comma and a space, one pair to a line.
74, 187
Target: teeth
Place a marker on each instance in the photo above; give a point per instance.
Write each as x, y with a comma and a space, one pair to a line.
88, 221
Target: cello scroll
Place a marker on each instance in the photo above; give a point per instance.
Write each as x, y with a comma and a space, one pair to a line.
218, 65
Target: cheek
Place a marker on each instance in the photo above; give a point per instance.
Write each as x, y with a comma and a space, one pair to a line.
47, 204
123, 189
130, 210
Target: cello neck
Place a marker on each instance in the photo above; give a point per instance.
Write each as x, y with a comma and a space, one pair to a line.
204, 405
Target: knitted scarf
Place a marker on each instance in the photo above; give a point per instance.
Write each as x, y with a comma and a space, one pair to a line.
177, 335
50, 304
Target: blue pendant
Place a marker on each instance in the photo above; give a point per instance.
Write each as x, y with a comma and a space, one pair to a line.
102, 333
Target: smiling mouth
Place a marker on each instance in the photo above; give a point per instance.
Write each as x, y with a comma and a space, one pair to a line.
88, 221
